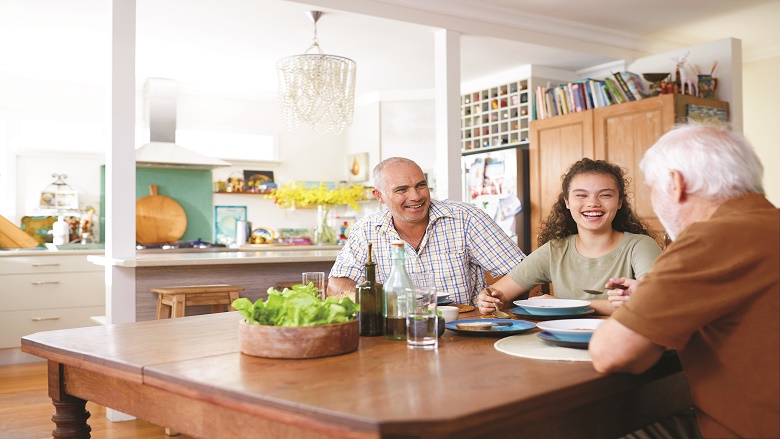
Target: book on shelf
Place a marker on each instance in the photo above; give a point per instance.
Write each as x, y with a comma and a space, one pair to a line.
539, 103
636, 84
574, 90
624, 86
617, 93
550, 101
590, 97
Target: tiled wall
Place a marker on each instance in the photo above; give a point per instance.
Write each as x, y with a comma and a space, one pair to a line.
191, 188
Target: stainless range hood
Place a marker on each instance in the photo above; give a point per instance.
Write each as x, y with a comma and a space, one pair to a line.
160, 115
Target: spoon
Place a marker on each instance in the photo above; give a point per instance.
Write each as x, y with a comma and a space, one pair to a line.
619, 287
497, 313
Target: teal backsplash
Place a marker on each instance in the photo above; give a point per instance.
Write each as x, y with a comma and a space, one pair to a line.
191, 188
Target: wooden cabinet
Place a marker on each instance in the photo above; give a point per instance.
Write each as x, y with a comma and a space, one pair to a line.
47, 292
619, 133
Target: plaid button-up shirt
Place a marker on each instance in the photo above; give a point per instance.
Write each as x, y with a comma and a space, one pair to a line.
459, 243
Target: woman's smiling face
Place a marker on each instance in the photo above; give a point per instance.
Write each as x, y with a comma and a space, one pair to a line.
593, 200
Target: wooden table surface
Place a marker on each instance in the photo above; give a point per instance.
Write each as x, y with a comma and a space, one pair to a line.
188, 374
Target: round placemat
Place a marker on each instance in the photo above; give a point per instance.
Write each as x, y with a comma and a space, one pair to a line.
528, 345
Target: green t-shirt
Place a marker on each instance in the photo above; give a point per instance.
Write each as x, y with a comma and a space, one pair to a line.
559, 262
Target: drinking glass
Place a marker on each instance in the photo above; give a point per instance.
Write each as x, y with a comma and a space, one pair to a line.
318, 279
423, 280
421, 318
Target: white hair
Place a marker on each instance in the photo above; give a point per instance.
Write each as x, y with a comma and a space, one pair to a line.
715, 162
378, 173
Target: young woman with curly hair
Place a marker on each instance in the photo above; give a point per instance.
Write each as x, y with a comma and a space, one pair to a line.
591, 236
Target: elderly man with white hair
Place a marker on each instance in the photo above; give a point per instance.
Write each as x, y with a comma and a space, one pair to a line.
714, 295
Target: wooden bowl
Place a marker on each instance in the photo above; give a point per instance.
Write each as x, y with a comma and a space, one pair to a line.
299, 341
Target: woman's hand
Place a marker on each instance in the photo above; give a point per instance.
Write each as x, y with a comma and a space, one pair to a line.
489, 300
619, 290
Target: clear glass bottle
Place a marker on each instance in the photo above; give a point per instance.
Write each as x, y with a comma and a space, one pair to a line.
394, 288
371, 300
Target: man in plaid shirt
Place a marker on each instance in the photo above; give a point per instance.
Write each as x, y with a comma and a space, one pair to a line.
455, 241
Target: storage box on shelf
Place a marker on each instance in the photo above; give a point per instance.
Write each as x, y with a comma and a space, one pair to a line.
618, 133
47, 292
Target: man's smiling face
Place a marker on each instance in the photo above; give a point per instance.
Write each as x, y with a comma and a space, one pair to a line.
405, 193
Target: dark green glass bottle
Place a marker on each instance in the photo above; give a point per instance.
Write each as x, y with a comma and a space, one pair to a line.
370, 298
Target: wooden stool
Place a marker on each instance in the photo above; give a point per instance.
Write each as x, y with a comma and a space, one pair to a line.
172, 302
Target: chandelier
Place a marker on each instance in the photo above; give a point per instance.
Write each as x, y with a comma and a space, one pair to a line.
317, 89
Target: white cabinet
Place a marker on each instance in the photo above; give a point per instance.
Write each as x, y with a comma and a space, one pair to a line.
498, 116
46, 292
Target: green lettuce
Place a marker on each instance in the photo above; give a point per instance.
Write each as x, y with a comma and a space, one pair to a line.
296, 306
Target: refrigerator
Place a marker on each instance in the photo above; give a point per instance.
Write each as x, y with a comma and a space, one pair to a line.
497, 182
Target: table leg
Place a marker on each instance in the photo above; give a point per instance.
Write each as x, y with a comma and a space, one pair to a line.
70, 418
178, 309
70, 413
233, 297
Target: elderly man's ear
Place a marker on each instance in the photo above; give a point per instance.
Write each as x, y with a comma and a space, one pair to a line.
378, 195
677, 186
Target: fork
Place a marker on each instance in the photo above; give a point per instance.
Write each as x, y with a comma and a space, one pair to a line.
496, 313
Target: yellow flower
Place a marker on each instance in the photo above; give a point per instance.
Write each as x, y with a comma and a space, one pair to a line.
294, 194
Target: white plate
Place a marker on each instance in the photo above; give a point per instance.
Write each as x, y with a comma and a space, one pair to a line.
441, 294
551, 306
571, 329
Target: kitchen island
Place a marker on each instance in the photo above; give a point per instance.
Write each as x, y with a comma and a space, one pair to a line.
255, 271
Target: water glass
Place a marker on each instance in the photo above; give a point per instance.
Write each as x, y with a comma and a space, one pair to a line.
423, 280
421, 319
318, 279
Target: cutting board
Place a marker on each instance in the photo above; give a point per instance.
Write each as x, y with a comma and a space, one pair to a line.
12, 236
158, 219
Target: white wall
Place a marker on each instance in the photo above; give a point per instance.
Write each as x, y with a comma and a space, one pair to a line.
408, 130
761, 116
53, 127
50, 127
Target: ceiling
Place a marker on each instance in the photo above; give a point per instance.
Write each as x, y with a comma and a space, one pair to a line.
231, 46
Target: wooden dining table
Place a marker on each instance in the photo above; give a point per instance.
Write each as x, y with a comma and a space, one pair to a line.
189, 375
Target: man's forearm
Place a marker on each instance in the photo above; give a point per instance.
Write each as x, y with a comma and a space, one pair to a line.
337, 285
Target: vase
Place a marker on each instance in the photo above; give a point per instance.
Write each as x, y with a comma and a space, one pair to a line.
323, 233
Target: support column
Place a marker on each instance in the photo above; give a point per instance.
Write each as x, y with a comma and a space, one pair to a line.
447, 94
120, 170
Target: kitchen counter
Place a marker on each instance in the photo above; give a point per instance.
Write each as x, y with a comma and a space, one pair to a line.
45, 252
255, 271
174, 259
287, 247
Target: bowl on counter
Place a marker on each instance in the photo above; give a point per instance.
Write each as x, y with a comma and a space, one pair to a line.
298, 342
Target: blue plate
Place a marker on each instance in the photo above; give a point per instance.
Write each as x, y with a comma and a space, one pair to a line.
517, 327
444, 301
578, 312
544, 335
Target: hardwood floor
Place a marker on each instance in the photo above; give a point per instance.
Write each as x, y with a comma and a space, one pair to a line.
26, 409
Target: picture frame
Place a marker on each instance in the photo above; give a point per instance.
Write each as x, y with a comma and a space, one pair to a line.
59, 199
357, 167
259, 182
702, 113
226, 219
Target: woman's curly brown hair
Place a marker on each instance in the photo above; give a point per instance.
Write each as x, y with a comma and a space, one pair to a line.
560, 224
